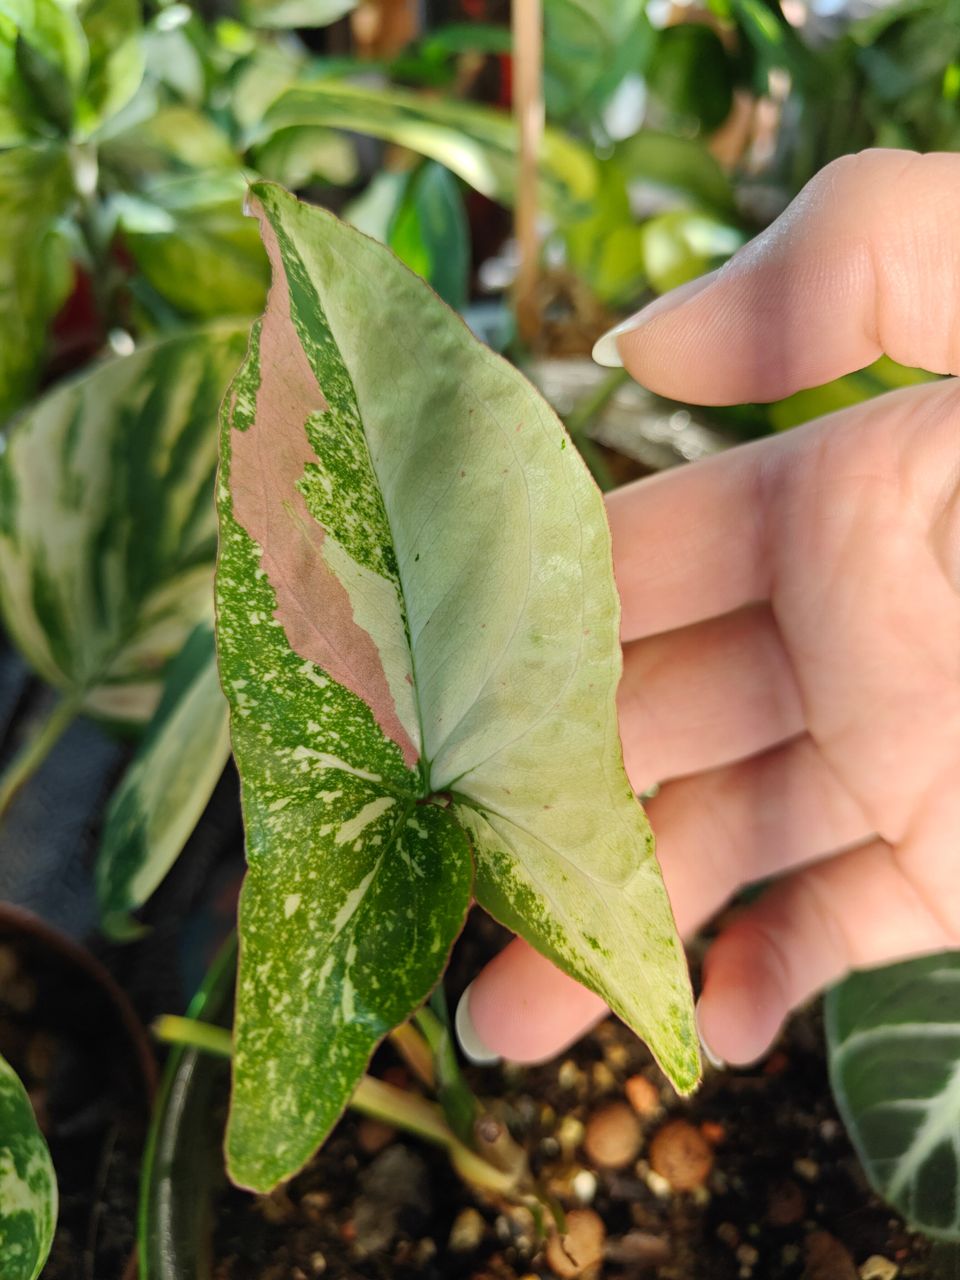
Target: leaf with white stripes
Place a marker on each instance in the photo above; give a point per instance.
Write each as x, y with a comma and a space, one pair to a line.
418, 633
166, 786
107, 523
28, 1184
894, 1046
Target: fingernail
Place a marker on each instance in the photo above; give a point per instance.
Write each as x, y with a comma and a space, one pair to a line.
471, 1044
606, 351
713, 1058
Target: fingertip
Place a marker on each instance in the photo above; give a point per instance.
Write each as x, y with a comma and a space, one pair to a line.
743, 1006
522, 1008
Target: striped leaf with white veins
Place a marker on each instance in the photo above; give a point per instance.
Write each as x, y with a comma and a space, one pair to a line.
893, 1036
28, 1184
107, 523
418, 634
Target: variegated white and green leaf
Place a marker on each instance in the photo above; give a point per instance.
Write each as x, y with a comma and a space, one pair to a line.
28, 1184
166, 786
894, 1051
418, 635
107, 526
479, 144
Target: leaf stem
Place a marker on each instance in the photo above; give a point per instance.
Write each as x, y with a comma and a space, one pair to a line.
583, 414
415, 1051
35, 750
191, 1033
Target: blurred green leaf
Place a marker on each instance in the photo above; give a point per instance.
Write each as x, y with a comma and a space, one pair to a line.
166, 786
430, 233
28, 1188
295, 13
306, 154
477, 143
258, 80
683, 165
691, 75
117, 60
883, 375
681, 245
43, 61
775, 44
107, 524
189, 238
606, 249
35, 190
175, 138
589, 46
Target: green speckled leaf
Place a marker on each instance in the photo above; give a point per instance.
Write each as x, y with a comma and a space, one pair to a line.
167, 784
418, 635
28, 1184
893, 1036
107, 525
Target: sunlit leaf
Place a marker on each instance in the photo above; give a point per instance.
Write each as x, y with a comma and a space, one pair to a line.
681, 165
171, 139
28, 1184
894, 1053
166, 786
299, 156
295, 13
682, 245
418, 633
107, 532
589, 46
477, 143
117, 60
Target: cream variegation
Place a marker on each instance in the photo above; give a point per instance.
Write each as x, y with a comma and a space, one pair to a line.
418, 633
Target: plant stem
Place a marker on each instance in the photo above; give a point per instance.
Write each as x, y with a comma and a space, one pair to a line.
35, 750
415, 1052
585, 412
374, 1098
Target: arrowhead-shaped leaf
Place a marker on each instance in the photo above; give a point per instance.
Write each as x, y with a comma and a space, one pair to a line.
107, 526
28, 1184
894, 1050
167, 785
418, 634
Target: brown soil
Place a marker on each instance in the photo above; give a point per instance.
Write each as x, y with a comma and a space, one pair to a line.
773, 1190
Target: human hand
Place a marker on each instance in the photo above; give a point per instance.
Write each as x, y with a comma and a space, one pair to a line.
791, 617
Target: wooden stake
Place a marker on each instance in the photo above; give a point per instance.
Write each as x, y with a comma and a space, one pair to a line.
529, 114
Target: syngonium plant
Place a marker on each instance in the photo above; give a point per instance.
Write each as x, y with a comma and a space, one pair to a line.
417, 629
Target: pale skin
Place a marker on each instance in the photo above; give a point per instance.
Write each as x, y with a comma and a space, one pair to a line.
791, 618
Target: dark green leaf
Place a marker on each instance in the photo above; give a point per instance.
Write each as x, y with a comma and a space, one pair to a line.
691, 74
28, 1184
429, 232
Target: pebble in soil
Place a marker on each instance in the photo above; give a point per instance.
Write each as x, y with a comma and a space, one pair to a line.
751, 1179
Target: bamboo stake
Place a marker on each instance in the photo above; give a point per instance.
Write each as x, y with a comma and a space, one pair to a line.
527, 18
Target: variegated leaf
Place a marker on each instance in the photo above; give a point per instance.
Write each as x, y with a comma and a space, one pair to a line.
893, 1037
107, 526
28, 1184
167, 785
418, 634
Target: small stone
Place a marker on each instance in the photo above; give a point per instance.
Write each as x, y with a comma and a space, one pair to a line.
613, 1136
807, 1169
277, 1207
643, 1095
584, 1186
680, 1153
616, 1056
830, 1130
657, 1184
786, 1204
467, 1232
728, 1234
789, 1254
639, 1249
314, 1205
395, 1192
569, 1075
374, 1135
602, 1078
713, 1132
747, 1255
827, 1259
579, 1252
569, 1135
877, 1267
318, 1263
425, 1251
